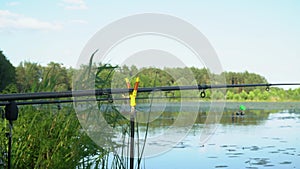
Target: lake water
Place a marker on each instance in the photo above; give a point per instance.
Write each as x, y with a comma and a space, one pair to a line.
266, 137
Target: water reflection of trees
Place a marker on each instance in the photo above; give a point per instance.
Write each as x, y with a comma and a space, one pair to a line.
251, 117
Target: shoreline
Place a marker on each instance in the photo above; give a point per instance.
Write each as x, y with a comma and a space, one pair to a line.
206, 106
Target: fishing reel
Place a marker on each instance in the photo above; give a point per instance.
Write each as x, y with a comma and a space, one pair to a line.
11, 111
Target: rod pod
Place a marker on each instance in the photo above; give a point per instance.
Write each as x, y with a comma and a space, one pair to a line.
11, 114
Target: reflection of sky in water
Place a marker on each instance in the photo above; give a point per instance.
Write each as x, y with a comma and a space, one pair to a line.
275, 143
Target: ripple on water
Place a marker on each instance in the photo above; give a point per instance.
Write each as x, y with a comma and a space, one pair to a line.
291, 148
221, 166
274, 152
276, 138
287, 126
259, 161
251, 167
287, 153
254, 148
238, 154
269, 165
271, 146
231, 149
181, 145
286, 162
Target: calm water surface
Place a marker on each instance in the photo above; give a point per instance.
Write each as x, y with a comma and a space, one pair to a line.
261, 139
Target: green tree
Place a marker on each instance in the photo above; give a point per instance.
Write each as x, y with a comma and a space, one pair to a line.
236, 97
55, 77
28, 76
251, 95
243, 78
7, 72
202, 76
229, 95
32, 77
244, 95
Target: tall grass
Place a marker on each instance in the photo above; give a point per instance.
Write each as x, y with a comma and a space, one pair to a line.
51, 136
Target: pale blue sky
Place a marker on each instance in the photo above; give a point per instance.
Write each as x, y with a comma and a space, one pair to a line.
261, 36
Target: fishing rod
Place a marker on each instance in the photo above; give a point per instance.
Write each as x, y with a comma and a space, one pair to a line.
110, 91
11, 106
108, 99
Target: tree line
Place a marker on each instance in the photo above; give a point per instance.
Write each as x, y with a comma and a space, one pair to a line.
33, 77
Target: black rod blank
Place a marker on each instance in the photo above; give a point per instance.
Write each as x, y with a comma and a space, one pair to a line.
100, 92
109, 99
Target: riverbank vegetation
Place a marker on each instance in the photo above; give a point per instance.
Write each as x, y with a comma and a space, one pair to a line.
33, 77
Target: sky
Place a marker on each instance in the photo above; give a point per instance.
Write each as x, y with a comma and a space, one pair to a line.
258, 36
